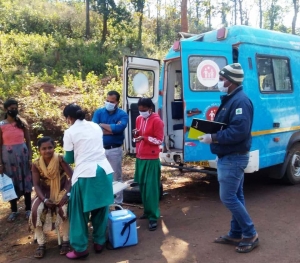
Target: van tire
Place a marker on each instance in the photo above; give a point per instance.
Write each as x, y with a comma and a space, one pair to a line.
293, 167
132, 194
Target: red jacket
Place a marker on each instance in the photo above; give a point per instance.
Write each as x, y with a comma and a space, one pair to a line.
152, 129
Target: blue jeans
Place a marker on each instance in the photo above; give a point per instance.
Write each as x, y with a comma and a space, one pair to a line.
231, 180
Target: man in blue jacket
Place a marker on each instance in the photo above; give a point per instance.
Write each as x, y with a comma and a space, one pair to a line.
232, 146
113, 122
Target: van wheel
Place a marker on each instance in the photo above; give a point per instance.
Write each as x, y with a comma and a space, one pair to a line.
293, 167
132, 194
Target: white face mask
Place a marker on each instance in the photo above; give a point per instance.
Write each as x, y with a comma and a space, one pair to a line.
221, 87
145, 114
110, 106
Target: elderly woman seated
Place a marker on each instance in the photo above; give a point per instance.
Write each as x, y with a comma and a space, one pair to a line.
51, 178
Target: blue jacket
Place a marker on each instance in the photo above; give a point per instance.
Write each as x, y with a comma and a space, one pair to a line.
118, 121
236, 110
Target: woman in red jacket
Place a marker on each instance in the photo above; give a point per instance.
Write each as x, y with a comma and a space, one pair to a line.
148, 136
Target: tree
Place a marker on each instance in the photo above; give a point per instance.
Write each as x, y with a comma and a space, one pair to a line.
139, 8
104, 7
108, 9
224, 10
273, 15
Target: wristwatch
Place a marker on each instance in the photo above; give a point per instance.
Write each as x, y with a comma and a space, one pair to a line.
68, 194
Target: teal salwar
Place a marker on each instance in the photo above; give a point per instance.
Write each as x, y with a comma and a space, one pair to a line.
147, 175
90, 195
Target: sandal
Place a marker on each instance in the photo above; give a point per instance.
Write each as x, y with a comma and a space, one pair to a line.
40, 251
27, 214
12, 217
65, 248
247, 246
227, 240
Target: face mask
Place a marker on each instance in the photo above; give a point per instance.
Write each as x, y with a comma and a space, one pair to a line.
110, 106
145, 114
221, 87
12, 113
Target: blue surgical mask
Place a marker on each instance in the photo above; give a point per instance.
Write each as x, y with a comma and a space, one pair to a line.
145, 114
110, 106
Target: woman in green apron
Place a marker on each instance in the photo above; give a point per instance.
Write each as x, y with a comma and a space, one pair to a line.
92, 191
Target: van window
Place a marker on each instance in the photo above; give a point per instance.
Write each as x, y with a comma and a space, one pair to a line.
274, 74
140, 83
194, 62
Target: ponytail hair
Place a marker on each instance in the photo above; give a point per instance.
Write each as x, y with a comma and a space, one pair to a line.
74, 111
20, 122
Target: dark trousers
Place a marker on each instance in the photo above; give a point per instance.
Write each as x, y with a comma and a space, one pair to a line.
14, 206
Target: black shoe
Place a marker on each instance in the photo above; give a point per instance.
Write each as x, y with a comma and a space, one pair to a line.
144, 216
118, 208
152, 225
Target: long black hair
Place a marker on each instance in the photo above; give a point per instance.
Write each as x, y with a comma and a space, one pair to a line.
74, 111
20, 122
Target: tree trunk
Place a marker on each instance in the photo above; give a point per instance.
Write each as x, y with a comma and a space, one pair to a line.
87, 28
197, 11
140, 30
241, 12
260, 14
184, 21
235, 11
104, 28
296, 10
157, 22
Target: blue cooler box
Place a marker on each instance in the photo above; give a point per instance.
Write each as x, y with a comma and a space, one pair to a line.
122, 230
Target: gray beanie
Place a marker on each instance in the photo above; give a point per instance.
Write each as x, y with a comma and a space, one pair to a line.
233, 72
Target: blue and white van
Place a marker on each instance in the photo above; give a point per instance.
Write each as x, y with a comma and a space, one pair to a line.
184, 87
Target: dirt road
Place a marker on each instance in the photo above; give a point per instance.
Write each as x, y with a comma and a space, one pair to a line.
192, 216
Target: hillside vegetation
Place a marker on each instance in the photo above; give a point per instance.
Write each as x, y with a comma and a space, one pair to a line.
47, 62
48, 58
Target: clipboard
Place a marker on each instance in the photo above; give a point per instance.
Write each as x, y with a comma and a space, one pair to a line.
200, 127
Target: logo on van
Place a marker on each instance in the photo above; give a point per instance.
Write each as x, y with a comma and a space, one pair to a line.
211, 113
208, 73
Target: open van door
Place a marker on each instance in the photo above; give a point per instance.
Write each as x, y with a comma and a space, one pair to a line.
140, 79
201, 63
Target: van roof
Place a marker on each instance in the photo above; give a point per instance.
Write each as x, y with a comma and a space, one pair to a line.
246, 34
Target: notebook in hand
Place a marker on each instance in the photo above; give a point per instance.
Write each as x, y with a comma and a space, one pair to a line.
200, 127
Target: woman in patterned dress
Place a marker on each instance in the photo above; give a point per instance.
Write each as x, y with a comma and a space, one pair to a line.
15, 156
52, 183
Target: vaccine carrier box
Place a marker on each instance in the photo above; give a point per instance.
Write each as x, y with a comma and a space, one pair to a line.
122, 230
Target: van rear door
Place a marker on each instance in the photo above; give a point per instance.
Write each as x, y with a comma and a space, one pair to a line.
201, 63
140, 79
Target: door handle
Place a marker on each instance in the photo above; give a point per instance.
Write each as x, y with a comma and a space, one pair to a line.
192, 112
